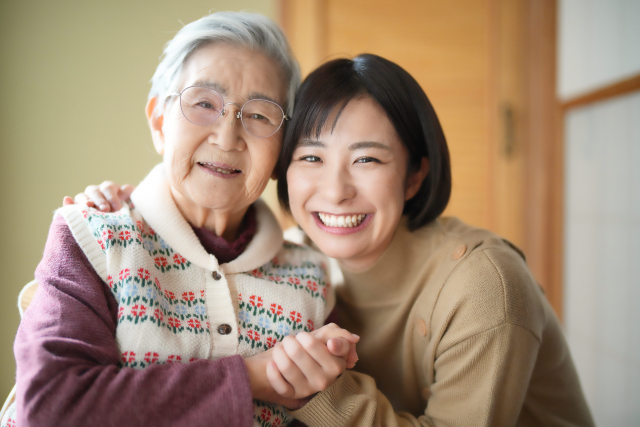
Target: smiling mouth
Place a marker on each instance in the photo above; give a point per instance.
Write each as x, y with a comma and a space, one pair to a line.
223, 170
342, 221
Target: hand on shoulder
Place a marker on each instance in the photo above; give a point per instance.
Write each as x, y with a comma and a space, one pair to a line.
106, 197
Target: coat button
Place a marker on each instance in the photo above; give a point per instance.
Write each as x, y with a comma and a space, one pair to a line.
459, 252
421, 327
216, 275
224, 329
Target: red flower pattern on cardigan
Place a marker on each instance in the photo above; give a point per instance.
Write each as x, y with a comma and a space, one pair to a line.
262, 321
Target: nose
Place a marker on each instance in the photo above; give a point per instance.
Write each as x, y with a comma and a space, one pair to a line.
226, 131
337, 185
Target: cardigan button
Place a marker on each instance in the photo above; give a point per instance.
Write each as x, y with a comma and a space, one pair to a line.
459, 252
421, 327
216, 275
224, 329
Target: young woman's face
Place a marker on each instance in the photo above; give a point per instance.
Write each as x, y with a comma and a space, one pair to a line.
347, 188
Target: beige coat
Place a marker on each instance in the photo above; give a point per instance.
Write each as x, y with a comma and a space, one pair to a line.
454, 332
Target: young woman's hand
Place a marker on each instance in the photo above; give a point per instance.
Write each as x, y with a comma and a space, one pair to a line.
107, 197
307, 363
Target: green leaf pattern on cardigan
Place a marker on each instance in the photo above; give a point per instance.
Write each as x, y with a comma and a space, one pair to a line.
263, 319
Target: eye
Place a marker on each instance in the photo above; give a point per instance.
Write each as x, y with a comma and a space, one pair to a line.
366, 160
310, 159
257, 117
205, 104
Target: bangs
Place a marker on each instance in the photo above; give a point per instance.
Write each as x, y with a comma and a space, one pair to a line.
328, 97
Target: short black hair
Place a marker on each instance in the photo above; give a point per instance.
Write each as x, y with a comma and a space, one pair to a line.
337, 82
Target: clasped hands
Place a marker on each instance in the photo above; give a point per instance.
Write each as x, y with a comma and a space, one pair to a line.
301, 365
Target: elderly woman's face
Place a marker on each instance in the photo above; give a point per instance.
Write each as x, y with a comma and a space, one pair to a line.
220, 165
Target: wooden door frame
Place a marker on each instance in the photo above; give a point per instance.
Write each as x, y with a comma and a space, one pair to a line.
544, 161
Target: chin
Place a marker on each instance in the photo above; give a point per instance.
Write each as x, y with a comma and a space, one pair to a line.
338, 251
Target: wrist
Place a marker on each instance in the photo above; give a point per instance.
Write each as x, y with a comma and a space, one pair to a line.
260, 386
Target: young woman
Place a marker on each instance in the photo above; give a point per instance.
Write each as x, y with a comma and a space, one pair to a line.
454, 329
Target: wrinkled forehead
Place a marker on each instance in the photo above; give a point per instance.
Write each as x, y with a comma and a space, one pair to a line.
239, 73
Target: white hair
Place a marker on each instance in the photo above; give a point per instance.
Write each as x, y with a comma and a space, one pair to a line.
240, 28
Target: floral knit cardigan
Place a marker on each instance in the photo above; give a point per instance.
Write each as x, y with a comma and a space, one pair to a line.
107, 353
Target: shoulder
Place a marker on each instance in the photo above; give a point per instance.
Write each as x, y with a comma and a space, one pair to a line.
300, 255
75, 215
487, 284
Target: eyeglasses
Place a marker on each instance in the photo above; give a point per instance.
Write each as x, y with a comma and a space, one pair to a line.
201, 106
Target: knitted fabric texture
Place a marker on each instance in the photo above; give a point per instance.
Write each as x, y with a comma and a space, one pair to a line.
176, 304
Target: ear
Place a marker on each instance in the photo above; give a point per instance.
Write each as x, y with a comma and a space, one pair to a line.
155, 124
415, 179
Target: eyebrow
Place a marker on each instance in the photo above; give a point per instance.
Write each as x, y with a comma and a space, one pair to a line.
258, 95
353, 147
223, 90
368, 144
310, 143
211, 85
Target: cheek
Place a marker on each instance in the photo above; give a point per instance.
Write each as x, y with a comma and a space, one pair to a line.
299, 187
263, 160
387, 192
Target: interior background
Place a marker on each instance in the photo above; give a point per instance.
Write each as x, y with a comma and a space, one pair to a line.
539, 154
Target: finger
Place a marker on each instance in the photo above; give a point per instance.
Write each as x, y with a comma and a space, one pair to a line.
331, 330
125, 192
67, 201
353, 356
339, 347
277, 381
284, 355
82, 199
330, 366
95, 195
343, 348
110, 191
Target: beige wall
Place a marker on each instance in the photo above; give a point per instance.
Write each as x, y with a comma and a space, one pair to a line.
73, 84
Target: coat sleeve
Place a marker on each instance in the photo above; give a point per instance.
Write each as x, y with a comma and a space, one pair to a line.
67, 360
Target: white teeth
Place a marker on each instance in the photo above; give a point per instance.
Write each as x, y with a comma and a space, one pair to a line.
221, 170
341, 221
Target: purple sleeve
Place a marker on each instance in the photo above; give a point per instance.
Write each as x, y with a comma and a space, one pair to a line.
67, 360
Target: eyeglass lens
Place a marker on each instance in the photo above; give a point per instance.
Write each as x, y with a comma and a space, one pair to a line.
203, 106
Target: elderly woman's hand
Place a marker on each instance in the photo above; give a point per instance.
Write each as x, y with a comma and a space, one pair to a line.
310, 362
261, 388
107, 197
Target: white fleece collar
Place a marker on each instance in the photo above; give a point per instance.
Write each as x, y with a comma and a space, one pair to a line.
153, 200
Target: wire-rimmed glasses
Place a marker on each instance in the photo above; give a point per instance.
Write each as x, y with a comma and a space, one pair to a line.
202, 106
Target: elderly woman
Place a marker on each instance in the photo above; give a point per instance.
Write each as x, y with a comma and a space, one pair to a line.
160, 313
